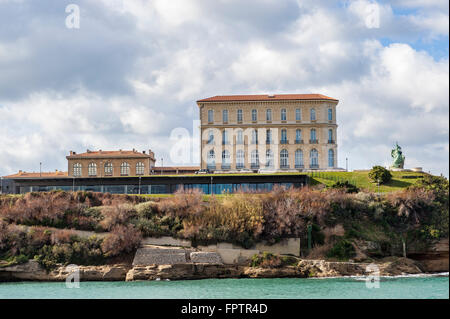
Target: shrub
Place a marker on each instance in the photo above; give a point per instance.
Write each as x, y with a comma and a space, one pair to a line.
121, 239
342, 250
347, 186
378, 174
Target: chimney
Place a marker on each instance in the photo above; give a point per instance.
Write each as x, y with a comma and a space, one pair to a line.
143, 152
71, 153
88, 151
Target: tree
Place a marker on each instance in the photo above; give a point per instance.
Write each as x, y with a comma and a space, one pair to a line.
347, 186
378, 174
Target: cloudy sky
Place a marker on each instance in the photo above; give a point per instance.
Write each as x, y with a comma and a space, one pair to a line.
132, 71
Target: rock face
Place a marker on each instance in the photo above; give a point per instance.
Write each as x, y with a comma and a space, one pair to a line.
436, 259
184, 271
34, 272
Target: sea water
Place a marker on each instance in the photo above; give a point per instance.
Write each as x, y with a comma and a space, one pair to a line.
404, 287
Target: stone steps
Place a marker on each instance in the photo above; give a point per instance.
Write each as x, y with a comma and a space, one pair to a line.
160, 255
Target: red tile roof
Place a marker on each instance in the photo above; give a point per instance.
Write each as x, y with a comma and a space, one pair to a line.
265, 97
22, 174
109, 154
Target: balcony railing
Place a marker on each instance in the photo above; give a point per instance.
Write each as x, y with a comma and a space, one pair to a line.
211, 167
239, 166
254, 165
313, 141
298, 141
299, 166
330, 141
226, 166
284, 142
268, 142
284, 166
314, 166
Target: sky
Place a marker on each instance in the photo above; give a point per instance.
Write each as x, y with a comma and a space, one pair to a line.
128, 74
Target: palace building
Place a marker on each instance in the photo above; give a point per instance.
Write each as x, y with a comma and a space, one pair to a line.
288, 132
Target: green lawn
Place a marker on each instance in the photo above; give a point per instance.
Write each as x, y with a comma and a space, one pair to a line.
399, 180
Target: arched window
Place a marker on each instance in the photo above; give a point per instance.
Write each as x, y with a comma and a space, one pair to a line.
225, 116
92, 169
313, 114
240, 159
314, 158
298, 115
298, 158
255, 136
268, 115
210, 116
330, 158
239, 116
313, 136
269, 159
283, 114
226, 164
77, 169
140, 168
211, 162
108, 169
225, 137
240, 137
210, 137
330, 114
254, 159
298, 136
124, 169
284, 159
254, 115
283, 136
330, 136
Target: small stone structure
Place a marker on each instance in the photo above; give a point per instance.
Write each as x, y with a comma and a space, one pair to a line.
206, 257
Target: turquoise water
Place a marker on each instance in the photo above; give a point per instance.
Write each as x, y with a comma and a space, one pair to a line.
297, 288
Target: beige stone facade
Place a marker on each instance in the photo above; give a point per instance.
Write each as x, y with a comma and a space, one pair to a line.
110, 163
294, 132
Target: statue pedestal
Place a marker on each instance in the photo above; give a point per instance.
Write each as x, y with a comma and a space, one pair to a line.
395, 169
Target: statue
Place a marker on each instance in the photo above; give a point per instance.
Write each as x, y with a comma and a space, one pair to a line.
397, 156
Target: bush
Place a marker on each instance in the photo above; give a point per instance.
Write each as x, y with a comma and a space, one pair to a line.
347, 186
342, 250
378, 174
121, 240
269, 260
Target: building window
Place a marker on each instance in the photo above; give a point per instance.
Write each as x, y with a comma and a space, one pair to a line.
268, 115
284, 159
77, 169
330, 114
92, 169
210, 116
226, 164
211, 163
225, 116
210, 137
269, 136
240, 137
108, 169
298, 115
298, 136
298, 158
255, 137
313, 138
254, 115
140, 168
313, 114
269, 159
330, 158
254, 163
240, 158
283, 136
239, 116
124, 169
225, 137
283, 114
314, 158
330, 136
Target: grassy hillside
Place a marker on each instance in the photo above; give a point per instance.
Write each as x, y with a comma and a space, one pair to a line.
400, 180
